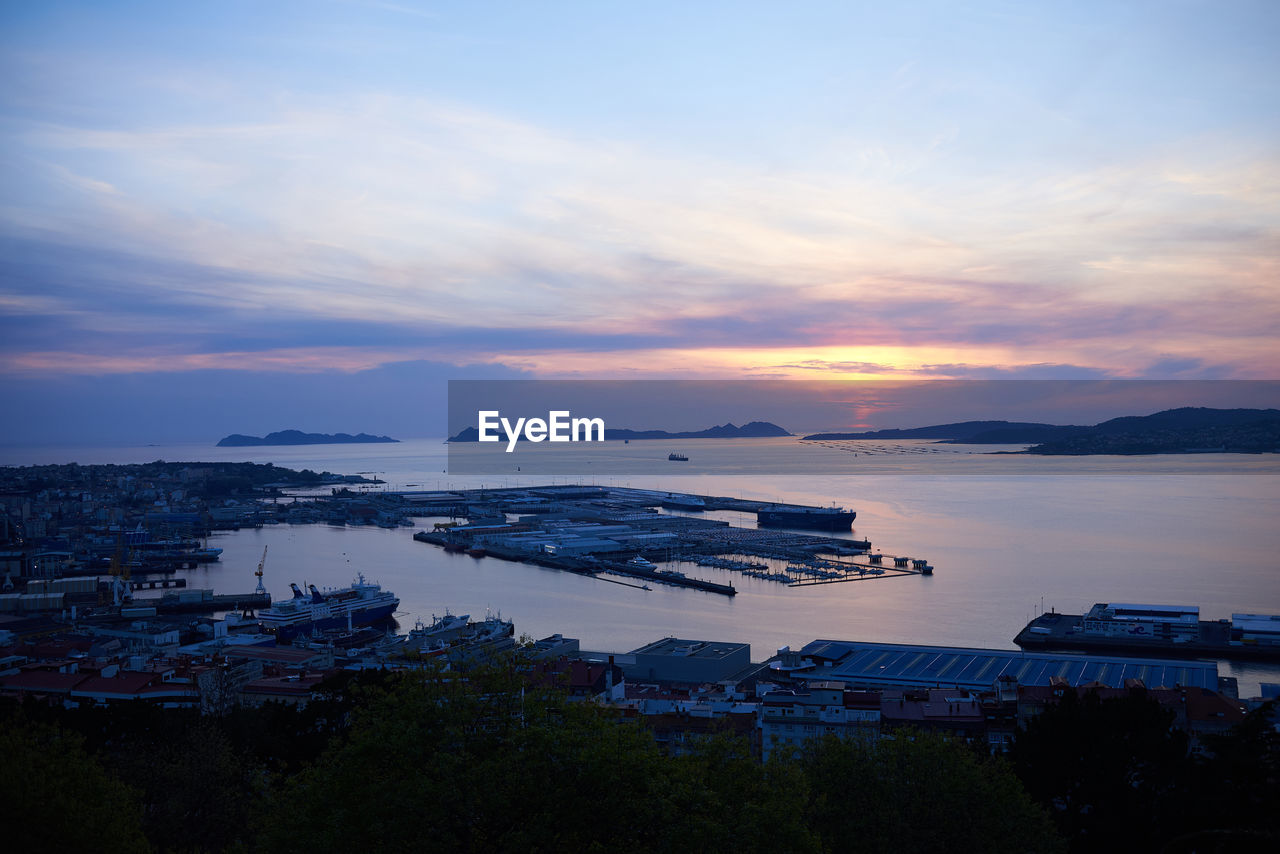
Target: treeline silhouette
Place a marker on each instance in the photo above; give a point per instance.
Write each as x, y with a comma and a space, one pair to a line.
433, 761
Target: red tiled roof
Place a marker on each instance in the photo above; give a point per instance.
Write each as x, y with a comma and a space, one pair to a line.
300, 686
45, 681
281, 654
127, 683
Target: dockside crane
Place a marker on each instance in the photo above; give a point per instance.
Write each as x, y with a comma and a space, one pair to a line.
260, 590
121, 593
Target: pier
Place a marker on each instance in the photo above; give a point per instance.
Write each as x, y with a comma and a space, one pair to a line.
181, 603
665, 577
589, 530
841, 571
157, 584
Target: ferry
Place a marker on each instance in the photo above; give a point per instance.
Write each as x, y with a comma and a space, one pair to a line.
1122, 628
358, 605
678, 501
796, 516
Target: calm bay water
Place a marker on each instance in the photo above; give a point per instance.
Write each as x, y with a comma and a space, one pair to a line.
1005, 534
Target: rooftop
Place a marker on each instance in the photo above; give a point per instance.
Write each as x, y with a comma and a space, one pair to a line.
910, 665
679, 648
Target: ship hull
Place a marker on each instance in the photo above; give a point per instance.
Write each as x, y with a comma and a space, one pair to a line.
841, 521
1057, 632
364, 617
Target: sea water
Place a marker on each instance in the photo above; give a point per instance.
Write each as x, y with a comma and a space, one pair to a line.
1007, 534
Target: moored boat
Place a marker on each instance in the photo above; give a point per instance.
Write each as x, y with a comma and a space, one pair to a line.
360, 604
814, 518
1155, 630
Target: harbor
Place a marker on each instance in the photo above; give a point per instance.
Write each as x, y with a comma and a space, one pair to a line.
1171, 631
591, 530
993, 566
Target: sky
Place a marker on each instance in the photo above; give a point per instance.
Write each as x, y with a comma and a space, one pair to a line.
245, 216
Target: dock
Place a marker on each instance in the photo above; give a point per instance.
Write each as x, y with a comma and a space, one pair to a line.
587, 565
203, 602
591, 530
665, 577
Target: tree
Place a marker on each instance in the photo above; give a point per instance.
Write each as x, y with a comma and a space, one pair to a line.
58, 798
1113, 772
1236, 801
486, 763
919, 793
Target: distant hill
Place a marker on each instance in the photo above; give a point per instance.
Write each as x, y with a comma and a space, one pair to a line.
1175, 431
297, 437
969, 432
751, 430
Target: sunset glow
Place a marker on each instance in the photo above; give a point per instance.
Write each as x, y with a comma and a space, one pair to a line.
739, 191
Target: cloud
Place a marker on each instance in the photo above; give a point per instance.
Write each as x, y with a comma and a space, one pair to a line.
401, 399
1015, 372
395, 225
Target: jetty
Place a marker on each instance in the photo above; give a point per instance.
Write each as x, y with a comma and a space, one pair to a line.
591, 530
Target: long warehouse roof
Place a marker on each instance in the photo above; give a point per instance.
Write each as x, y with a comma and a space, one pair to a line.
907, 665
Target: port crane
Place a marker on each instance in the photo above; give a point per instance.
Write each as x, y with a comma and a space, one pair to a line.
260, 590
120, 575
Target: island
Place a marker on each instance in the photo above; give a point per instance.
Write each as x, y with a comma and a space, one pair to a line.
297, 437
966, 432
1186, 430
750, 430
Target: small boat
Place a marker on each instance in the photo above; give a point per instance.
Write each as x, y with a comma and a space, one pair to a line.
638, 562
677, 458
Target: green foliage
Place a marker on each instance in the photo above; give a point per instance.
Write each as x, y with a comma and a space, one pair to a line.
482, 762
218, 487
1114, 772
198, 792
469, 764
58, 798
1235, 803
919, 793
731, 802
476, 764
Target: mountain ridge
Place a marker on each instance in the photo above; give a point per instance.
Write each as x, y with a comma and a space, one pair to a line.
297, 437
1185, 429
728, 430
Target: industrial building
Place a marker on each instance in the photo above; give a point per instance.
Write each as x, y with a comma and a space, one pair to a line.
873, 665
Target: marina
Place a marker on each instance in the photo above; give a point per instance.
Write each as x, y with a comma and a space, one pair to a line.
1003, 542
586, 529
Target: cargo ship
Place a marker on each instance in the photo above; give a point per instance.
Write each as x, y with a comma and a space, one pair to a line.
813, 518
360, 604
1166, 631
